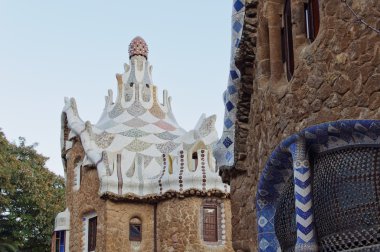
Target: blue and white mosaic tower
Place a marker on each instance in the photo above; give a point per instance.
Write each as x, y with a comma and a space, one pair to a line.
224, 150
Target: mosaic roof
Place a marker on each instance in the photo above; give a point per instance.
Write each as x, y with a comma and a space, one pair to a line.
137, 146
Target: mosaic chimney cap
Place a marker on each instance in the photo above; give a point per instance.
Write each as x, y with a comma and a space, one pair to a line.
138, 46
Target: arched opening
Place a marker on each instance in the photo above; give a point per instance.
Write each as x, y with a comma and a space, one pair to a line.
200, 145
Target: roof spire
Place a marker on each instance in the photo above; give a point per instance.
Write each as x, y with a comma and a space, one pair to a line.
138, 46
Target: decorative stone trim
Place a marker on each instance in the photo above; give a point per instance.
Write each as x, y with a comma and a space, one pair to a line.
167, 195
182, 163
163, 172
203, 170
221, 221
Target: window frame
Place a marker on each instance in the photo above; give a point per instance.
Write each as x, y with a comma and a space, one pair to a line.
312, 19
205, 224
92, 232
135, 238
287, 40
87, 229
60, 239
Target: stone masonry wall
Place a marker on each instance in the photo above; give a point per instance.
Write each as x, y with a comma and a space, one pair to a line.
83, 201
118, 215
336, 77
178, 224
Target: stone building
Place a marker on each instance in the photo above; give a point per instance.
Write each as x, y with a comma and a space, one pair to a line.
304, 173
137, 181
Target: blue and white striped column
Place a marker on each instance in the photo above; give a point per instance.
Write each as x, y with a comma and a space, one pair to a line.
306, 234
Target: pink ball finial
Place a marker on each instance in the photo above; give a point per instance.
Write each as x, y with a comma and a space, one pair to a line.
138, 46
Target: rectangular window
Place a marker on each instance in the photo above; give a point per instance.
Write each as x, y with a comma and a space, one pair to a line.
135, 232
287, 37
312, 19
210, 227
60, 241
92, 225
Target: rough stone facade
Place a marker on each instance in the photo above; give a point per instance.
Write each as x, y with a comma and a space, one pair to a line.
118, 215
83, 201
337, 76
179, 225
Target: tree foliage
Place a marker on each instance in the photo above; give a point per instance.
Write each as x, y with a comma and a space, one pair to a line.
30, 197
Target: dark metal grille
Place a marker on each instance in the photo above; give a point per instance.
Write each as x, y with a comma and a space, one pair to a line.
285, 218
346, 199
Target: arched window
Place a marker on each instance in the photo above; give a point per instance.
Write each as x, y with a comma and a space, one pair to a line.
135, 229
287, 40
312, 19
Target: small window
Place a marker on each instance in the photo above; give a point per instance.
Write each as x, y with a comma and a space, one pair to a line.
194, 157
287, 40
92, 226
60, 241
135, 231
312, 19
170, 164
210, 227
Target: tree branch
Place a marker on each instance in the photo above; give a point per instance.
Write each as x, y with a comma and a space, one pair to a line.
360, 19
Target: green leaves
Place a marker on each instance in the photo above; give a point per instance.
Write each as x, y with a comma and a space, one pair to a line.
30, 197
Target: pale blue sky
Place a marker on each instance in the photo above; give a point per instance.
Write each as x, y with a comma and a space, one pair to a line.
52, 49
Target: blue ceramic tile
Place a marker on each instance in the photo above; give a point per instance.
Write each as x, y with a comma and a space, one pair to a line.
237, 26
238, 5
234, 75
228, 156
228, 123
229, 106
231, 89
227, 142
